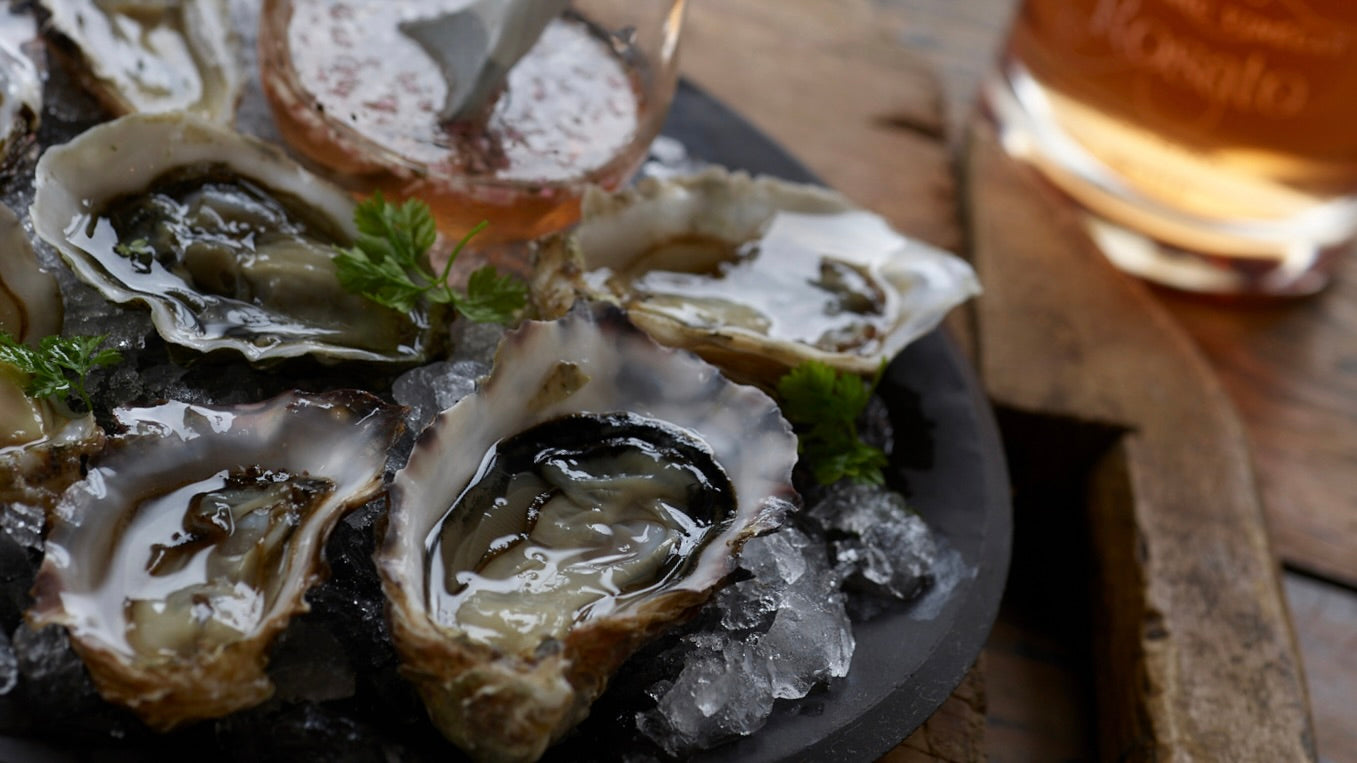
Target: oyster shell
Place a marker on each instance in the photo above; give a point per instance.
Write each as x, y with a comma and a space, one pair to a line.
568, 511
756, 275
152, 56
30, 300
20, 85
225, 238
42, 445
193, 540
41, 442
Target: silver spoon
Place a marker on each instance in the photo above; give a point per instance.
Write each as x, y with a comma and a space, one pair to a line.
476, 45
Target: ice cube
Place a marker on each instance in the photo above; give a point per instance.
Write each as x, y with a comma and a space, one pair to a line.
889, 549
429, 389
717, 695
899, 556
776, 557
748, 604
22, 523
810, 640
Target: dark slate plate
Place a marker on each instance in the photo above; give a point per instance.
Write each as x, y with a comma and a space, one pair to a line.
909, 658
948, 455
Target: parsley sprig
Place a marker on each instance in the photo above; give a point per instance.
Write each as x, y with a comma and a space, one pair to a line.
823, 405
389, 265
59, 365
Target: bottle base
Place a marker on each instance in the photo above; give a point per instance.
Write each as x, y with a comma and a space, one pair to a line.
1145, 236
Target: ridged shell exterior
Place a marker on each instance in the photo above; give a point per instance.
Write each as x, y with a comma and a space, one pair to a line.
342, 436
921, 282
500, 706
156, 58
132, 152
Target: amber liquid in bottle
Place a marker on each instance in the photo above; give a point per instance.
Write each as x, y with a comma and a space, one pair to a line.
1220, 127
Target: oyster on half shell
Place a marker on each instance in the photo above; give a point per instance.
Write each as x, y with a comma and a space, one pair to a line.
592, 492
228, 241
30, 300
41, 441
152, 56
42, 444
756, 275
194, 539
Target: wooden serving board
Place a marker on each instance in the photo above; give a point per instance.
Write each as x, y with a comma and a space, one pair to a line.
1112, 412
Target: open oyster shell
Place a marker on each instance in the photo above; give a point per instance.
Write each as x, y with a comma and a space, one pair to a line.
508, 659
42, 445
756, 275
30, 300
152, 56
227, 240
193, 540
41, 442
20, 83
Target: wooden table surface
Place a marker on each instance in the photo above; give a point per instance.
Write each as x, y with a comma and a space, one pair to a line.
876, 97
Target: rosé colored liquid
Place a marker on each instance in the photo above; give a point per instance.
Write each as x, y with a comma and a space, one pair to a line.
364, 99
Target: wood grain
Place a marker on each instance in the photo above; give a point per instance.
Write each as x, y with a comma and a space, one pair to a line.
1326, 621
827, 78
1195, 655
1291, 368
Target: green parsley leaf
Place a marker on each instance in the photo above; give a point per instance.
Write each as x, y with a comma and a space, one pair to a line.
389, 265
59, 365
490, 295
382, 281
823, 406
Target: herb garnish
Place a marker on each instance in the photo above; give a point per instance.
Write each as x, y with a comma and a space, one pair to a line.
59, 365
389, 265
823, 405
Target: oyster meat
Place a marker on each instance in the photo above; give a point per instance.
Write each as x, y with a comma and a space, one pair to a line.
152, 56
592, 492
755, 274
227, 240
194, 539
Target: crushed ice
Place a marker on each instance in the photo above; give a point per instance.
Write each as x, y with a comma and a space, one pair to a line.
786, 628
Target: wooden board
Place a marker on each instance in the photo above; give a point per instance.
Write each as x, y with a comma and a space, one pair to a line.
861, 111
1193, 647
1291, 368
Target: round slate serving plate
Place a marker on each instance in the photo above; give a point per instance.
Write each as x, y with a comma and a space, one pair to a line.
949, 462
909, 658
